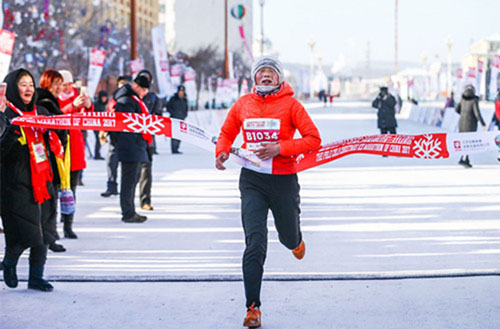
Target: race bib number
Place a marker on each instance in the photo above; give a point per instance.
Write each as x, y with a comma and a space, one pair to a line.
257, 132
39, 151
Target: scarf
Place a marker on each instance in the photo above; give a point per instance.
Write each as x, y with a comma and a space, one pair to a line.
144, 109
65, 97
263, 90
39, 160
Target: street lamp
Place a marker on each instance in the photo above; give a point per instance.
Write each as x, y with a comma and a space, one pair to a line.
261, 2
311, 44
449, 44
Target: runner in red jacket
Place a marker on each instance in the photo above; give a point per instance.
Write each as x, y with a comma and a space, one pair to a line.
268, 117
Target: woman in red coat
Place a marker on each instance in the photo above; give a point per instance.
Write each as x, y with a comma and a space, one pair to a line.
497, 114
71, 102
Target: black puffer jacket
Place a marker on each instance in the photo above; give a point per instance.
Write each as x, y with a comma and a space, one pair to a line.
386, 115
21, 215
468, 108
177, 107
131, 147
154, 103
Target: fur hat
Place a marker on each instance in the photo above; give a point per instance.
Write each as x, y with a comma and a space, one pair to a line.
67, 76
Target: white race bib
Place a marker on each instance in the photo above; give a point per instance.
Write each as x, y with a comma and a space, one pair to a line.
257, 132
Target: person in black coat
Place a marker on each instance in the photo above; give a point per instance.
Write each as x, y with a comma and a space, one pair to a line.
131, 147
468, 108
177, 106
3, 126
26, 176
50, 83
385, 103
99, 106
112, 156
154, 104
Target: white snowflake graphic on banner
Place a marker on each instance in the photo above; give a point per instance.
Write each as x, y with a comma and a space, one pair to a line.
427, 148
143, 123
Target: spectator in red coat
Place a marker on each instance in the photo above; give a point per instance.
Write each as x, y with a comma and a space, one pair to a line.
71, 102
497, 109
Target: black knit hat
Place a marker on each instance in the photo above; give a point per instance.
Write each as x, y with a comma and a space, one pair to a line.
142, 81
146, 73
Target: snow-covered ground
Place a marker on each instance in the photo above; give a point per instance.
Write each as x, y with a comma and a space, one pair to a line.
363, 217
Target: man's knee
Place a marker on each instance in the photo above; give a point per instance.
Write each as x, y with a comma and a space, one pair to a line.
256, 245
291, 241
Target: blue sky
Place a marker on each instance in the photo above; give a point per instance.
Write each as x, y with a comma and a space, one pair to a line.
346, 26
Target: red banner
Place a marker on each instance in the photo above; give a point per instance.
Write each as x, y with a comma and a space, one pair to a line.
117, 121
427, 146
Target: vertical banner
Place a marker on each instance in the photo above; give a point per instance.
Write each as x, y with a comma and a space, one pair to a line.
176, 76
226, 86
97, 58
244, 87
495, 65
121, 65
245, 42
7, 40
411, 88
471, 77
162, 66
230, 64
460, 82
136, 66
190, 84
219, 93
479, 77
234, 90
1, 14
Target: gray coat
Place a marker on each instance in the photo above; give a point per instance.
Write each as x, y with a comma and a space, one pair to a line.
468, 108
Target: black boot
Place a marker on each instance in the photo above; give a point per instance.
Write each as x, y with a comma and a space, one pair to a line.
56, 247
36, 281
68, 227
464, 161
9, 272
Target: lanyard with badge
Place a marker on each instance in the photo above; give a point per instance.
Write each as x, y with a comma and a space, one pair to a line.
37, 146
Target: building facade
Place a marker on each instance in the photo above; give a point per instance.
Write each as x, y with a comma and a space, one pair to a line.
118, 12
194, 24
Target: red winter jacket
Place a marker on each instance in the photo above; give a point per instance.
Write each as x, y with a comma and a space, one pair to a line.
280, 105
497, 109
77, 143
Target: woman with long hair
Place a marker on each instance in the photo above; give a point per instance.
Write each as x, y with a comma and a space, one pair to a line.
26, 183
